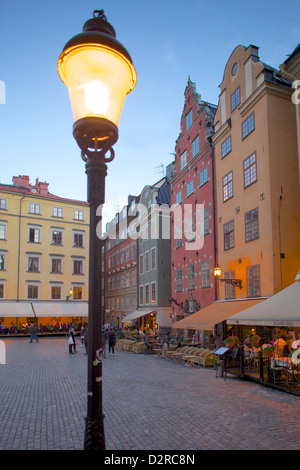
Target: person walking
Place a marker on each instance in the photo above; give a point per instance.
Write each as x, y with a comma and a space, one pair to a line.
104, 339
112, 341
33, 332
71, 341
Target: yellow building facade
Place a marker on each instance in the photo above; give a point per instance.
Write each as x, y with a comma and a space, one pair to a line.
44, 245
257, 185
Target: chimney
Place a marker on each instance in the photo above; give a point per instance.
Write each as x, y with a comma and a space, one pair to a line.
21, 181
43, 188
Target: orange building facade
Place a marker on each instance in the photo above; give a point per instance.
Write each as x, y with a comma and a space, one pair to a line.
257, 185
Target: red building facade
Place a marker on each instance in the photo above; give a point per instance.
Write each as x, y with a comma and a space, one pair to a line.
193, 235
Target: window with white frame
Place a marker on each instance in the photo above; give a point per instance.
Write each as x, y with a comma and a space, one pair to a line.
147, 294
141, 295
253, 281
183, 160
153, 258
178, 280
191, 277
56, 265
77, 292
78, 214
34, 208
57, 212
205, 273
235, 99
189, 119
33, 263
248, 126
153, 292
2, 290
57, 237
203, 176
34, 235
2, 230
147, 264
77, 266
226, 146
250, 170
3, 204
56, 292
178, 197
190, 188
2, 261
141, 264
195, 146
228, 186
78, 239
32, 291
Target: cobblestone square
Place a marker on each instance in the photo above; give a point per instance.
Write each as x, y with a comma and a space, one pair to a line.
150, 403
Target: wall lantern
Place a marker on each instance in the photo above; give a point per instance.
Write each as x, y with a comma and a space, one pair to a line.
232, 282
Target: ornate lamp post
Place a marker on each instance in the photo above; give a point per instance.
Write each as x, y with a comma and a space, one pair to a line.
99, 73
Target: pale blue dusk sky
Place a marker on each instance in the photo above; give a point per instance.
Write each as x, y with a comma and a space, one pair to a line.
168, 40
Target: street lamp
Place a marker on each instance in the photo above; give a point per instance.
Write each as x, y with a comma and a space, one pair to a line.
232, 282
99, 73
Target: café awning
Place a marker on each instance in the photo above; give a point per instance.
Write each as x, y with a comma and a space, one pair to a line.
217, 312
43, 308
137, 314
281, 309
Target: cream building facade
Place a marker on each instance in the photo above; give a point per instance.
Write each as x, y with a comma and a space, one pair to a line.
44, 245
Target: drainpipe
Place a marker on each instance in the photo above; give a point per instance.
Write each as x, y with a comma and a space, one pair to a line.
19, 249
214, 206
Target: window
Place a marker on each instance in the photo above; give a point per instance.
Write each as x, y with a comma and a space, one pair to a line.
229, 235
253, 281
55, 292
56, 237
248, 126
191, 277
141, 264
189, 188
153, 258
1, 290
3, 204
77, 293
32, 291
250, 170
132, 251
34, 235
147, 294
195, 146
178, 197
34, 208
204, 222
251, 225
77, 266
189, 120
141, 295
147, 267
205, 273
56, 265
190, 229
78, 239
2, 262
178, 280
183, 160
153, 292
57, 212
203, 176
227, 186
229, 289
226, 147
33, 264
2, 231
235, 99
78, 215
178, 235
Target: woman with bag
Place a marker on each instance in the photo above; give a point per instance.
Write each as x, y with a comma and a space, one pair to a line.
71, 341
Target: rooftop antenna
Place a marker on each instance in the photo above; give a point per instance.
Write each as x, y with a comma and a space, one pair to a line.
162, 169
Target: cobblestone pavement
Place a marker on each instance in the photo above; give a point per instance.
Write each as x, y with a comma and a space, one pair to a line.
150, 404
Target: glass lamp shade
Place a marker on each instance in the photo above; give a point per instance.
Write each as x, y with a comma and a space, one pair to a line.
98, 79
217, 271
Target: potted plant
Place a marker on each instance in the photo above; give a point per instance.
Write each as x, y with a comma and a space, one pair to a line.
215, 361
232, 341
255, 340
269, 349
